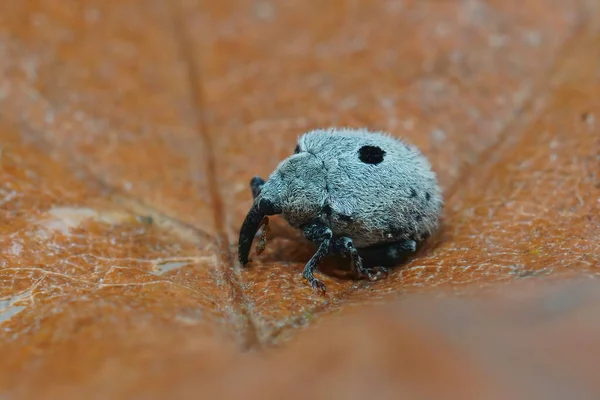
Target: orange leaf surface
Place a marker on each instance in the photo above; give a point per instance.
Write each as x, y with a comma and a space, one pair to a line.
129, 131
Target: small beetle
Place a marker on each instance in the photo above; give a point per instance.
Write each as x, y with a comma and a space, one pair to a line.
352, 192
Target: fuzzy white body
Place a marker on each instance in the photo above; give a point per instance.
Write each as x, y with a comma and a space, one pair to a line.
372, 203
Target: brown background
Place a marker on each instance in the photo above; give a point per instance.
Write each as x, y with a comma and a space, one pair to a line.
129, 131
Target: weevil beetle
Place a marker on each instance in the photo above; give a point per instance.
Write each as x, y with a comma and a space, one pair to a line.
354, 192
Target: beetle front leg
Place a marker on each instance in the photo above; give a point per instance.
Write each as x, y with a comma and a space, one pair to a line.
256, 185
321, 235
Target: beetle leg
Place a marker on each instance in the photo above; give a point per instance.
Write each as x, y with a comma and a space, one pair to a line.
321, 235
260, 247
388, 254
345, 244
256, 185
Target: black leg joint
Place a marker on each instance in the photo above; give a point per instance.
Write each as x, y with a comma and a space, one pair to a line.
256, 185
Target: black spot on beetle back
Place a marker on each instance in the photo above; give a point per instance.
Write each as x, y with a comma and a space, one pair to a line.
371, 154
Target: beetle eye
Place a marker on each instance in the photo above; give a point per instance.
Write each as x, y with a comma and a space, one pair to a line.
297, 149
371, 154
